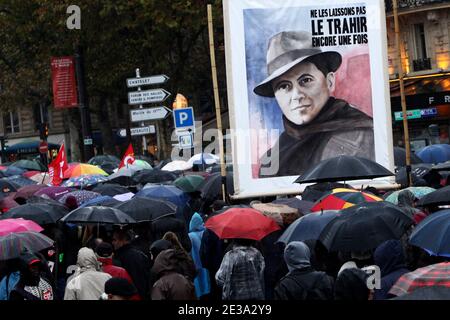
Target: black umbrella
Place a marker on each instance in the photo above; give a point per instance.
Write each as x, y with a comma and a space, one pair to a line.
303, 206
365, 226
98, 214
400, 157
110, 189
123, 176
104, 158
38, 212
153, 176
145, 209
42, 200
436, 198
6, 187
344, 168
212, 186
316, 191
421, 174
442, 166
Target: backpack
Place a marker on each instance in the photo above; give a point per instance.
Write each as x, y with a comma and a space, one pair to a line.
308, 289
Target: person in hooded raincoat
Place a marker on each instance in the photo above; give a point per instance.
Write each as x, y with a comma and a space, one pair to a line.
406, 202
196, 229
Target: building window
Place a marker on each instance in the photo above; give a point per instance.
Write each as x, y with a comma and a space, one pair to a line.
11, 122
421, 61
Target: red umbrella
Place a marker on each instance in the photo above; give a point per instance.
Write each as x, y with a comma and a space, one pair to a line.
245, 223
8, 226
434, 275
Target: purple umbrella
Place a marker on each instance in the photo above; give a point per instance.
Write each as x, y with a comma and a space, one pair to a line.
81, 196
53, 192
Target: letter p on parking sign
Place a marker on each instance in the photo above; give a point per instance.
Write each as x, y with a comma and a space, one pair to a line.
183, 118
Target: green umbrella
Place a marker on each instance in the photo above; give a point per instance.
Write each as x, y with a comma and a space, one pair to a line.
189, 183
418, 192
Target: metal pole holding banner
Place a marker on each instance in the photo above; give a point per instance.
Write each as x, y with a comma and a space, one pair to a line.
402, 93
144, 139
216, 100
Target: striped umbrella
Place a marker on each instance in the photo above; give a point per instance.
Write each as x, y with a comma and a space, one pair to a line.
342, 198
78, 169
13, 244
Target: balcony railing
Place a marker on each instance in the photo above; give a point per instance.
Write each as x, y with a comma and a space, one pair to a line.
410, 4
422, 64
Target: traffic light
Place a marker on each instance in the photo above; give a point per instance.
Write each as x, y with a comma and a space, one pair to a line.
43, 131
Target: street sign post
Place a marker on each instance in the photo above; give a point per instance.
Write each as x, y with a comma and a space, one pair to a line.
138, 131
156, 113
147, 96
136, 82
184, 119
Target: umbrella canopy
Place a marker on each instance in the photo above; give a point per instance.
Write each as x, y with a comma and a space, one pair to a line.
303, 206
342, 198
318, 190
436, 198
190, 183
39, 177
308, 227
204, 158
81, 196
20, 180
8, 226
433, 234
427, 293
29, 165
365, 226
344, 168
13, 244
110, 189
167, 193
123, 176
421, 174
98, 214
27, 191
418, 192
40, 213
435, 153
145, 209
178, 165
53, 192
400, 157
245, 223
85, 180
105, 201
442, 166
435, 275
12, 171
153, 176
7, 203
140, 164
78, 169
104, 158
212, 187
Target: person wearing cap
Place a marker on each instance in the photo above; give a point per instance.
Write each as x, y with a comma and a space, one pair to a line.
31, 285
104, 253
302, 282
119, 289
317, 125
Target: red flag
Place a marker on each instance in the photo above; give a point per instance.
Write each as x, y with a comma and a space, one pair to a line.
57, 167
128, 157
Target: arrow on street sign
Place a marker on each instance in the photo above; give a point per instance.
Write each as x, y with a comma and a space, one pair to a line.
136, 82
138, 131
156, 113
147, 96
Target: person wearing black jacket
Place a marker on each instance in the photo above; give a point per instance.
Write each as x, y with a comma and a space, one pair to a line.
302, 282
133, 260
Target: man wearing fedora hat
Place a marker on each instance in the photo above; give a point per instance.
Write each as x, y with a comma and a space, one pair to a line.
317, 126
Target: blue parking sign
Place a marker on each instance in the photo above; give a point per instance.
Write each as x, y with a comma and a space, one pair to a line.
183, 117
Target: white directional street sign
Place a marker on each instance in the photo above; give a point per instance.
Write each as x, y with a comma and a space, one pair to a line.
156, 113
137, 82
147, 96
138, 131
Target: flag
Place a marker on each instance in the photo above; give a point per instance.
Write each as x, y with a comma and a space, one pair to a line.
128, 157
57, 167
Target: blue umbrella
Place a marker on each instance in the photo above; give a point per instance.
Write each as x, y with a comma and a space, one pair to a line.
13, 171
308, 227
166, 192
433, 234
20, 180
435, 153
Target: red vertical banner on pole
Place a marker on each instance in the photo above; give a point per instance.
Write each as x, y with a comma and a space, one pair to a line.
64, 82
